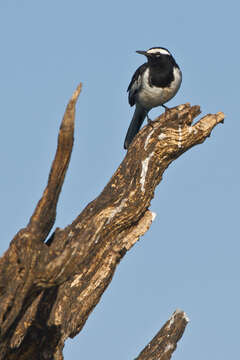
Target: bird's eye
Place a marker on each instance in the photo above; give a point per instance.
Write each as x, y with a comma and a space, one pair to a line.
158, 55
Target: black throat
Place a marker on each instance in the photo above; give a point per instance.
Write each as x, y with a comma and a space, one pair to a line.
161, 71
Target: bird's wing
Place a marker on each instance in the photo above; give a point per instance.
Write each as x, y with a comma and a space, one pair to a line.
135, 84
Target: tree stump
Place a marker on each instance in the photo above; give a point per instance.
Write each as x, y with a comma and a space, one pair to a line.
48, 287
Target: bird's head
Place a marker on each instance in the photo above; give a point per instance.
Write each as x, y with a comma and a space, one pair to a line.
155, 54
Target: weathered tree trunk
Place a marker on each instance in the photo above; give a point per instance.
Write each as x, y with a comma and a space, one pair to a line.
48, 288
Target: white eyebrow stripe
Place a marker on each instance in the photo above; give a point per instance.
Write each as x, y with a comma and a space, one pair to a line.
158, 50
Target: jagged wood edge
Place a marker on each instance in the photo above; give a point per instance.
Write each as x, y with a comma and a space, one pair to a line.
44, 215
165, 342
26, 249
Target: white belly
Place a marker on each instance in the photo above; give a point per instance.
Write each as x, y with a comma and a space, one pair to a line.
152, 96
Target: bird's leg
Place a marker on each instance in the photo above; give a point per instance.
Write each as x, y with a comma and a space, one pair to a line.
150, 122
166, 109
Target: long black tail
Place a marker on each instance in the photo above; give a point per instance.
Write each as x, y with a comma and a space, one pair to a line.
137, 120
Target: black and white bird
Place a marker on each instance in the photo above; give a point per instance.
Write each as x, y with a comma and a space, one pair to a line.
153, 84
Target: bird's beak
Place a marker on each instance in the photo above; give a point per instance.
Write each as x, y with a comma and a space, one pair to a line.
142, 52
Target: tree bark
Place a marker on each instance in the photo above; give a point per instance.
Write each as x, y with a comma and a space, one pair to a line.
165, 342
48, 288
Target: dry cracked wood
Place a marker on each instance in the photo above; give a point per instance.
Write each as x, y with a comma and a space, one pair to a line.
165, 342
48, 288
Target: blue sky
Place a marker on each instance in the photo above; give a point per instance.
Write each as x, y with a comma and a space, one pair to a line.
189, 259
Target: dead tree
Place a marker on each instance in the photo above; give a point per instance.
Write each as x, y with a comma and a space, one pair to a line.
48, 288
